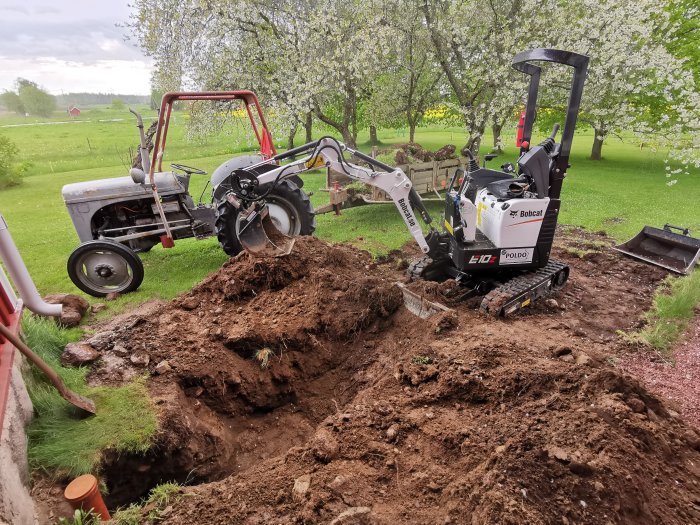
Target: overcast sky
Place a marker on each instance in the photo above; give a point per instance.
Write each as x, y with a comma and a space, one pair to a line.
70, 46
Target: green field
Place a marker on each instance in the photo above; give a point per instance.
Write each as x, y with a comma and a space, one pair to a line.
619, 194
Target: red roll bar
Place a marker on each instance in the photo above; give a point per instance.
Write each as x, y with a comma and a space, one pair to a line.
249, 99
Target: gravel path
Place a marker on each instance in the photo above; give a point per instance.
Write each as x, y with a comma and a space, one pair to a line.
678, 381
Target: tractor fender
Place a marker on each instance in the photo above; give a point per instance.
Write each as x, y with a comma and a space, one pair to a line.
235, 163
224, 171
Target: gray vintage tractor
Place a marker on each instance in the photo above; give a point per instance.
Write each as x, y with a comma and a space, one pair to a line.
118, 217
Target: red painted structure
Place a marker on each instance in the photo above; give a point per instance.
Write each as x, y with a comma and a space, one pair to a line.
257, 122
10, 312
521, 126
73, 111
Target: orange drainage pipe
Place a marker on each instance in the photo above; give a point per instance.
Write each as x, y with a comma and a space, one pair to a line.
83, 493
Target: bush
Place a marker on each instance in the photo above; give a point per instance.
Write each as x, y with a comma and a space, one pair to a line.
10, 172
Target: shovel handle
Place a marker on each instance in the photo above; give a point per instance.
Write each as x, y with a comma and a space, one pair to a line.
669, 227
29, 354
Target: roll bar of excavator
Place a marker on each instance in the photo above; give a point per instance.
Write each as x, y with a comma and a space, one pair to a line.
521, 62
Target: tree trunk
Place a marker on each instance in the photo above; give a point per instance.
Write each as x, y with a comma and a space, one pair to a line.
348, 137
308, 126
473, 145
411, 132
373, 140
597, 150
497, 145
292, 134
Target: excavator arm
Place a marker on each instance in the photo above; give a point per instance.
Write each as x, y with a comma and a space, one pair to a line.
245, 190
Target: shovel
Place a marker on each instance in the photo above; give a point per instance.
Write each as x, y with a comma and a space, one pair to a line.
260, 237
88, 405
678, 252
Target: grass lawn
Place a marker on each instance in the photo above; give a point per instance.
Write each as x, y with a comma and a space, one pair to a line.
618, 194
61, 439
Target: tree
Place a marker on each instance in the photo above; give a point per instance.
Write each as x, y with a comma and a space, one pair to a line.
410, 79
634, 83
35, 100
316, 56
10, 173
117, 103
682, 40
12, 102
473, 42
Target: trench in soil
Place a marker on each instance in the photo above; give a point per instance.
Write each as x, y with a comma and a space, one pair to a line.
209, 432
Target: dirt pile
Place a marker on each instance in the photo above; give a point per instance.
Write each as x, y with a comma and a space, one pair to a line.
301, 391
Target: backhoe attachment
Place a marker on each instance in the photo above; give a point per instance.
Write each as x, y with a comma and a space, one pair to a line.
261, 238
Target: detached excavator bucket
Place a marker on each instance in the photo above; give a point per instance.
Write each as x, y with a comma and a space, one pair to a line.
261, 237
678, 252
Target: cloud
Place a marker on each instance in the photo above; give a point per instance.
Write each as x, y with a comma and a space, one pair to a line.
78, 40
70, 45
127, 77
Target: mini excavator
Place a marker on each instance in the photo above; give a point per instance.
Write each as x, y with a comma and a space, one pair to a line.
498, 226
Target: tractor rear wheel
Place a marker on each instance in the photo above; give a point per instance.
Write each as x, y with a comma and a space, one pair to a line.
289, 207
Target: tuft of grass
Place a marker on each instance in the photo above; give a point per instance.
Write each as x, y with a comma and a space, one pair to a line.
63, 443
263, 356
151, 509
674, 306
81, 517
421, 360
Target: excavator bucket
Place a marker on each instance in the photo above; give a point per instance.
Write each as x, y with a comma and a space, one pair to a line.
678, 252
261, 237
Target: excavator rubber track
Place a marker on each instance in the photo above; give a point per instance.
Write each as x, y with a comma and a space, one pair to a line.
520, 291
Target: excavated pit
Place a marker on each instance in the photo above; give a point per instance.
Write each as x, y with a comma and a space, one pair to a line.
455, 419
222, 408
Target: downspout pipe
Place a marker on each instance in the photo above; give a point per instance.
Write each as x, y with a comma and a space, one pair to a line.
20, 276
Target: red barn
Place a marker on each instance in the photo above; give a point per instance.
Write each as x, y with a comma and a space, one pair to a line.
73, 111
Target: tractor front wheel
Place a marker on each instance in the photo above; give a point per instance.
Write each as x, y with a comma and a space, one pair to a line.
102, 267
288, 205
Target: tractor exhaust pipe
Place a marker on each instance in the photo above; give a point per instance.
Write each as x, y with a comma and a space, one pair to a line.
20, 276
143, 149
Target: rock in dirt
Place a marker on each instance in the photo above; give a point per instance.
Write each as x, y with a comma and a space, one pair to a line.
189, 303
392, 432
140, 358
112, 296
324, 445
163, 367
78, 354
301, 487
120, 350
98, 307
74, 307
101, 340
552, 303
116, 368
353, 515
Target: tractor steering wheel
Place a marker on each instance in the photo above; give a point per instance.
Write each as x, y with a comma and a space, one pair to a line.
188, 169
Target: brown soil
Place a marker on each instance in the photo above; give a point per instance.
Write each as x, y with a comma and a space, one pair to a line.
455, 419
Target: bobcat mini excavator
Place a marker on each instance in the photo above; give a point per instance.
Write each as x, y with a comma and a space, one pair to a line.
498, 226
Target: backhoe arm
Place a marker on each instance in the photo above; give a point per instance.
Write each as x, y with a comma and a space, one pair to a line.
329, 152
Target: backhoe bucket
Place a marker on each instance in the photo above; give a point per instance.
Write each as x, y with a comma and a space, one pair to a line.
261, 237
677, 252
